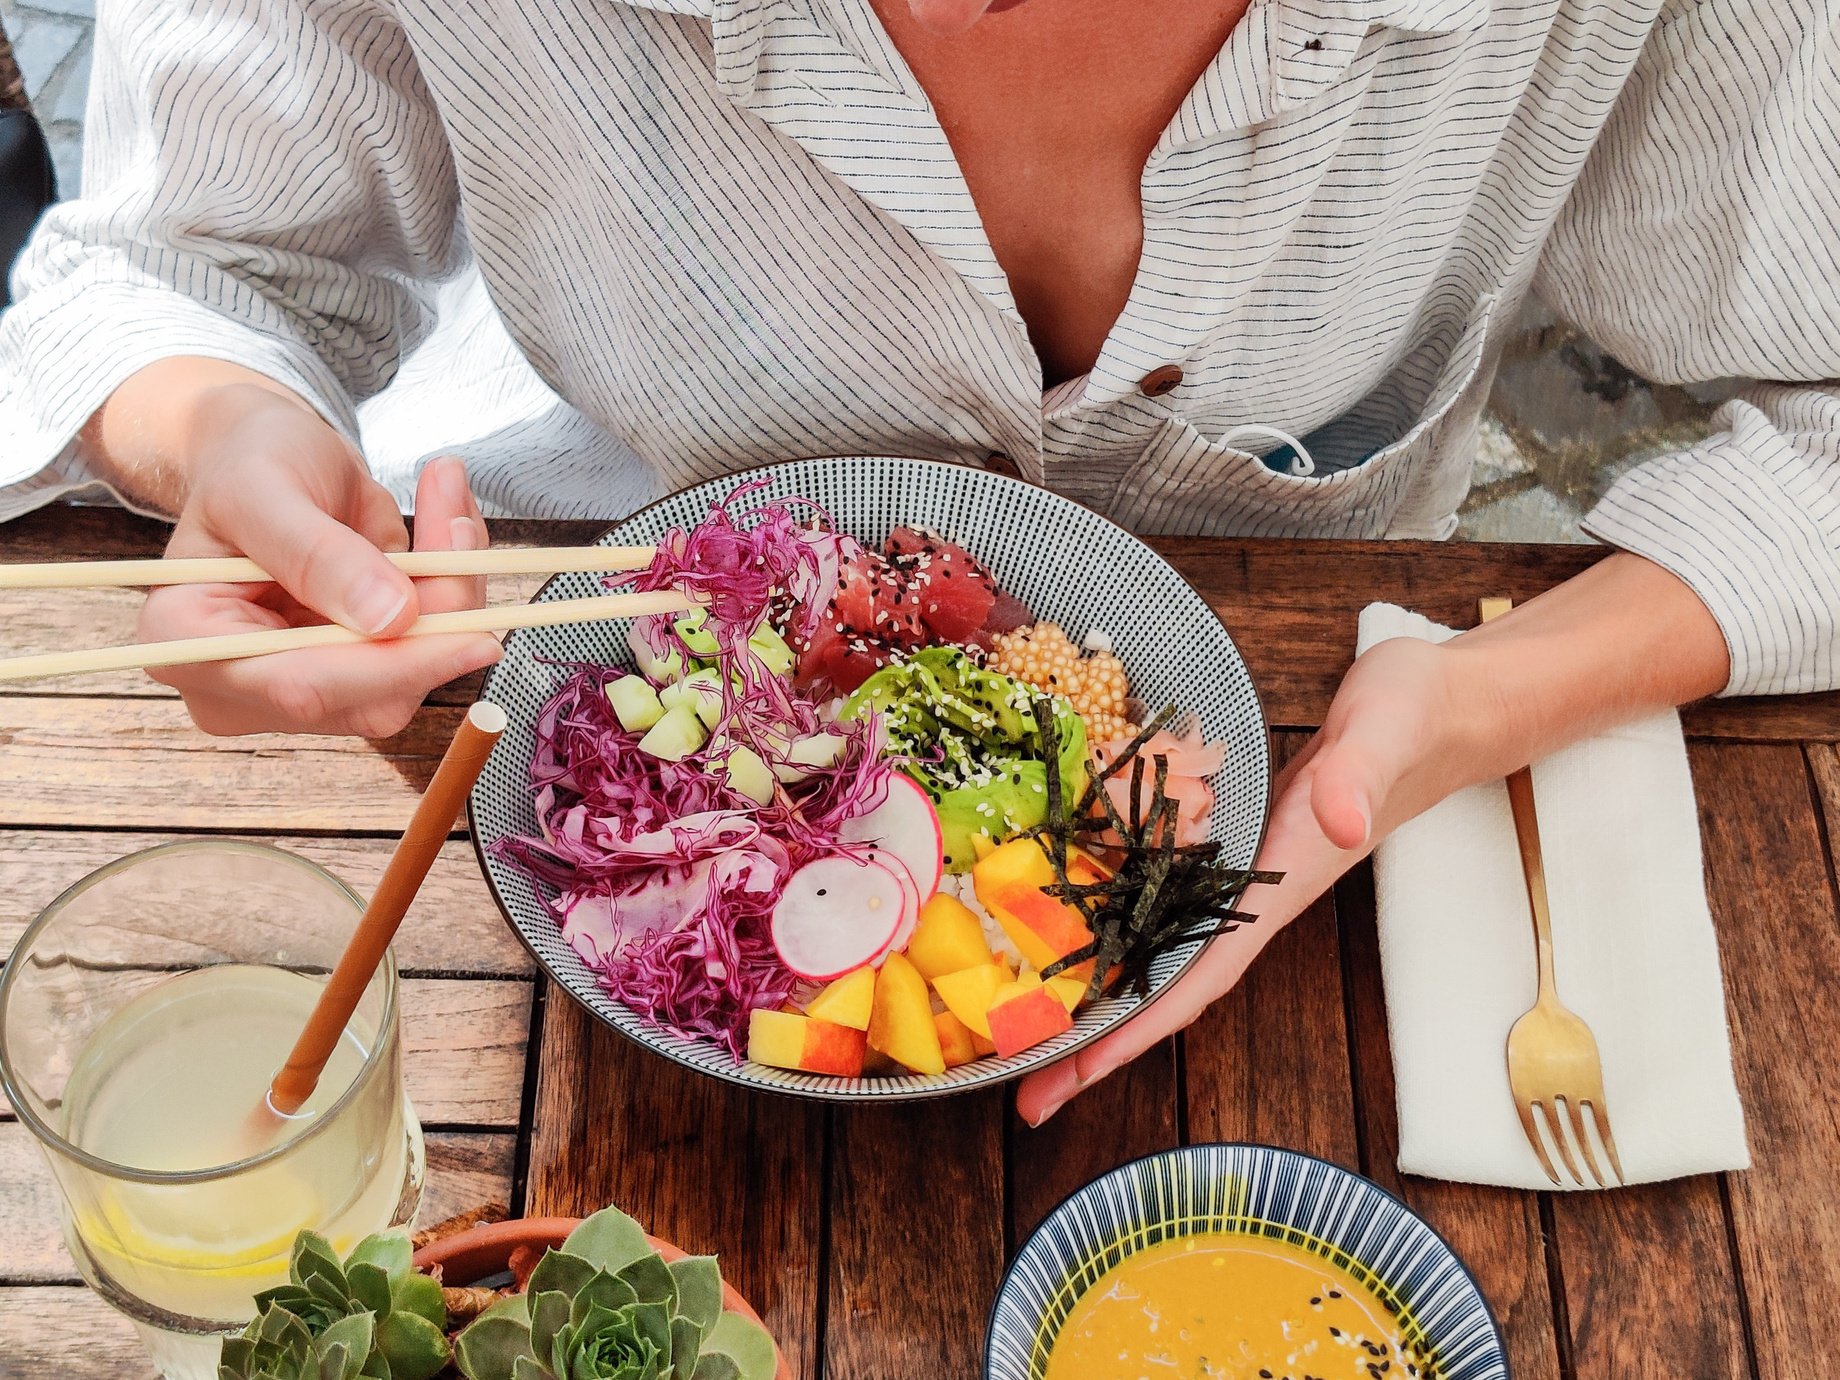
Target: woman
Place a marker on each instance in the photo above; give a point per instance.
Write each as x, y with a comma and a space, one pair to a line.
1091, 240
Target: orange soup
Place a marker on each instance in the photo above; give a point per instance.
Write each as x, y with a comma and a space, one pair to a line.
1229, 1306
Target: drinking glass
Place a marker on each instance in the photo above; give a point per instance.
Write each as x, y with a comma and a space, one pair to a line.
141, 1017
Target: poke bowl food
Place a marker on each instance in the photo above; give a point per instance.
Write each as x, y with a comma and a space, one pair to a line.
939, 777
1215, 1261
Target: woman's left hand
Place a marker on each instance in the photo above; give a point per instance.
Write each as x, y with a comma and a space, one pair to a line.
1400, 736
1414, 722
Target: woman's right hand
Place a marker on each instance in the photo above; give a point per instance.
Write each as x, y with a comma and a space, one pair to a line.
272, 481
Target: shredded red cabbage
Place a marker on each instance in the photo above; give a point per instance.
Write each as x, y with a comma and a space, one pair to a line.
739, 569
661, 876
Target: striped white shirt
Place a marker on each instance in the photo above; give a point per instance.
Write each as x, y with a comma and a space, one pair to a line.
729, 231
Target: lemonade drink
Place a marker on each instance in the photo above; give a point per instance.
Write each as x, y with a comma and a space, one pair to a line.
142, 1017
168, 1085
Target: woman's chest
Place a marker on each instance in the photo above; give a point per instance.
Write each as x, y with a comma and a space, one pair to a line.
1052, 110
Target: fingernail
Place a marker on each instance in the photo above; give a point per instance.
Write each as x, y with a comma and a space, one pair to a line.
453, 479
1042, 1116
1367, 820
374, 604
463, 534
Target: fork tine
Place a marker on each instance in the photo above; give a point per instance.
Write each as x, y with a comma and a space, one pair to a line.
1555, 1123
1533, 1138
1582, 1132
1602, 1120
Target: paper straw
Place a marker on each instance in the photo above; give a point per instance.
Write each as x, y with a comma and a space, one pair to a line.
434, 818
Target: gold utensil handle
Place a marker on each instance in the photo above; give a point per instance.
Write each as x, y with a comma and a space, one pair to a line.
1527, 834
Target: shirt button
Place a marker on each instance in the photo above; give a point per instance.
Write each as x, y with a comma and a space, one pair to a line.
1002, 464
1160, 380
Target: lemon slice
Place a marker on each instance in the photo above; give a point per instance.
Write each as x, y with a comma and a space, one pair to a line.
224, 1230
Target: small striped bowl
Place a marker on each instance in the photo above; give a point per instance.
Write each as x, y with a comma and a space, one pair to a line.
1254, 1189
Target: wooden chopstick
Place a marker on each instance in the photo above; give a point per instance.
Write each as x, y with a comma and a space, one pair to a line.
215, 570
187, 651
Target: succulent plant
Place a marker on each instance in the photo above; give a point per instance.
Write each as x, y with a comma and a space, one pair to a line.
371, 1315
607, 1307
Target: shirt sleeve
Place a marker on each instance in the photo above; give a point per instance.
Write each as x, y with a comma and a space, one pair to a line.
1703, 243
266, 182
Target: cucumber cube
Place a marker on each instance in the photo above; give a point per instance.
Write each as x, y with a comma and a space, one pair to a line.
749, 774
635, 703
675, 736
771, 649
702, 691
660, 668
696, 635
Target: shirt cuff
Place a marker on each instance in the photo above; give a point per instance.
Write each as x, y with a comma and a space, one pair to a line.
1750, 520
61, 359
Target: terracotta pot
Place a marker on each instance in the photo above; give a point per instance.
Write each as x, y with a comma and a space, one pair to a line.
481, 1252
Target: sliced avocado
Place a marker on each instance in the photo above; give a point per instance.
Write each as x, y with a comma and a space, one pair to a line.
675, 736
635, 703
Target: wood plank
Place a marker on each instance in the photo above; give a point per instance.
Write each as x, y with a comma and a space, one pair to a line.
463, 1050
1496, 1232
1779, 932
1291, 605
707, 1166
916, 1237
1269, 1061
1824, 771
465, 1170
1128, 1115
1648, 1273
112, 764
67, 1332
454, 929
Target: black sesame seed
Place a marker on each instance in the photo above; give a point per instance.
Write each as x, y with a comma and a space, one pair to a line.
821, 891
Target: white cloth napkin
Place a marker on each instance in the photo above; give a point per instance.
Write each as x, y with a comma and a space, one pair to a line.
1635, 956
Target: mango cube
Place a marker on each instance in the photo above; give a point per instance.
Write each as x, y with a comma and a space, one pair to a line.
1023, 1013
948, 938
1071, 991
847, 1001
967, 994
956, 1042
901, 1021
1009, 884
786, 1040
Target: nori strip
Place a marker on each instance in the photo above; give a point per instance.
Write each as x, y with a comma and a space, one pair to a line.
1161, 894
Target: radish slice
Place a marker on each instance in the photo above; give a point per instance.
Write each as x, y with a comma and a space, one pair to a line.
837, 914
910, 914
907, 825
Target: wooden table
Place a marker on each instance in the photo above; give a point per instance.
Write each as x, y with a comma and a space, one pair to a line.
873, 1241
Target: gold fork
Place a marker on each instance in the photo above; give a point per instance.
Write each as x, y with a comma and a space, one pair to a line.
1553, 1064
